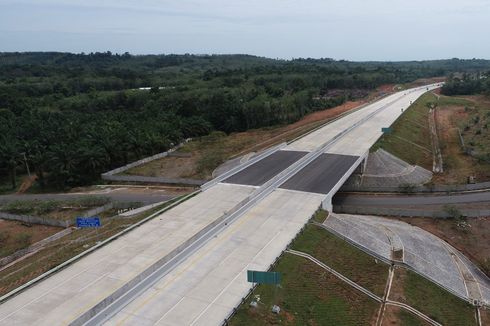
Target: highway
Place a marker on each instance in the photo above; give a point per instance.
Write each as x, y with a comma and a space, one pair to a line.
188, 265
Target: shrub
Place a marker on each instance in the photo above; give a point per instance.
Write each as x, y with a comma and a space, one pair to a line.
3, 237
23, 240
19, 207
453, 212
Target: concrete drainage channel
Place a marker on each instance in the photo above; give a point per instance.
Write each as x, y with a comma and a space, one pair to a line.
108, 307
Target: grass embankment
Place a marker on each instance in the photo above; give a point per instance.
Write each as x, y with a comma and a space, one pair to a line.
65, 248
309, 295
343, 257
398, 316
427, 297
55, 209
320, 216
410, 139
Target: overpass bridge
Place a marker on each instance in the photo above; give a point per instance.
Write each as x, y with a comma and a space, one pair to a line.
188, 265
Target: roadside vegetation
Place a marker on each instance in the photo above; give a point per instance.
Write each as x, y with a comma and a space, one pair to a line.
464, 158
343, 257
430, 299
56, 209
410, 137
308, 295
74, 116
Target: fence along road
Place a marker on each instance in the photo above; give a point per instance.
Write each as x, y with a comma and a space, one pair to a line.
255, 238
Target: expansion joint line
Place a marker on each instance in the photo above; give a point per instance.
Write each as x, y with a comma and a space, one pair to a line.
383, 301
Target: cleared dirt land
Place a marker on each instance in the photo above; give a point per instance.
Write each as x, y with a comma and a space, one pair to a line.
16, 235
471, 115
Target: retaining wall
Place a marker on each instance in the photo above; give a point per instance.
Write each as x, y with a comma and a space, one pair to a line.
35, 220
417, 189
160, 180
407, 212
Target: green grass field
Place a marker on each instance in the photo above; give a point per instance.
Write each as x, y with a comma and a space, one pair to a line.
344, 258
412, 127
320, 216
308, 296
435, 302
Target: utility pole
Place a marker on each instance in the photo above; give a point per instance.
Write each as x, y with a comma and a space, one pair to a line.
27, 165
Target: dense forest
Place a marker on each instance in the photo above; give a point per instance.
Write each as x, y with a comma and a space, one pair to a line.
73, 116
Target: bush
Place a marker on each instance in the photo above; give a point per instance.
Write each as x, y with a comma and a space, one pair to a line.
91, 201
46, 206
23, 240
453, 212
3, 237
407, 187
18, 207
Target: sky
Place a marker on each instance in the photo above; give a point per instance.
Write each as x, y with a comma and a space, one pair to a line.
348, 29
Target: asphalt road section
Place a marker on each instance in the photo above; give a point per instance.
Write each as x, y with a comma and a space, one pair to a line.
321, 175
410, 201
259, 173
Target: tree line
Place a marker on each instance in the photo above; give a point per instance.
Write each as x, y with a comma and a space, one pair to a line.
73, 116
467, 84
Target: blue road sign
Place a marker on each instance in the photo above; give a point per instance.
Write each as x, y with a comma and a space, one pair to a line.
387, 130
88, 222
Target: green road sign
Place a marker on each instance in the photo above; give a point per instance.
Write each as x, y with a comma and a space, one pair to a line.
263, 277
386, 130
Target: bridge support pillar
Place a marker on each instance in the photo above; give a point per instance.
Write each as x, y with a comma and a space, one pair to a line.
327, 204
